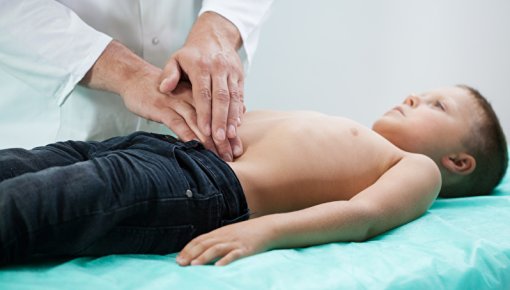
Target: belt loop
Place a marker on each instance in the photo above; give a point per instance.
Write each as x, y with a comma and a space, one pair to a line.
178, 143
170, 138
193, 144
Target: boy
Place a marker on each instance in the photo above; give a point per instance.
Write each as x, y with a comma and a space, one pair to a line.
305, 177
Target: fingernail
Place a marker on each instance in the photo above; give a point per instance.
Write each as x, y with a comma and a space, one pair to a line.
195, 262
207, 130
163, 84
220, 134
227, 157
238, 121
231, 131
237, 151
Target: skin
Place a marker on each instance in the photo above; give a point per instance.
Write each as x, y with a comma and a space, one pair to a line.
344, 182
210, 62
207, 69
444, 115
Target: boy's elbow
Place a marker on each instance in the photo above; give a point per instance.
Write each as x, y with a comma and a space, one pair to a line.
365, 235
369, 223
362, 237
370, 232
374, 222
380, 223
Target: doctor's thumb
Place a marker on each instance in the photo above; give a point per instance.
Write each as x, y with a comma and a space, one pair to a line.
170, 77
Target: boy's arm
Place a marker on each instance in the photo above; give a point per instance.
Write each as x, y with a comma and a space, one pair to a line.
402, 194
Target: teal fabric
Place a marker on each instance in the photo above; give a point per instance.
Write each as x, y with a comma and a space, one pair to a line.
458, 244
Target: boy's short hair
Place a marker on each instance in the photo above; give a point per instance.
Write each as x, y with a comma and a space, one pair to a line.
486, 143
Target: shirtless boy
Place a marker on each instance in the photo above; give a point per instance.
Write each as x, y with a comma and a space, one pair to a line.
306, 178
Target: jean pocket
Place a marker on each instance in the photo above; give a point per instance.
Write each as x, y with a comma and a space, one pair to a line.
141, 240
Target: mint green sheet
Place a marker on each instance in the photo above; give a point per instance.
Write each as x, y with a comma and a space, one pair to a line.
458, 244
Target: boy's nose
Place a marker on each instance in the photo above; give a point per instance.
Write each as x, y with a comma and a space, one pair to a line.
412, 101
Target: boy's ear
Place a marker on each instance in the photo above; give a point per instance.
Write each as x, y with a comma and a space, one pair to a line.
460, 163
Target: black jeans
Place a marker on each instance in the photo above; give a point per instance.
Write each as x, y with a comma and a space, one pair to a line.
143, 193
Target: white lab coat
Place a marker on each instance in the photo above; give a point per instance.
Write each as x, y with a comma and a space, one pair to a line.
46, 47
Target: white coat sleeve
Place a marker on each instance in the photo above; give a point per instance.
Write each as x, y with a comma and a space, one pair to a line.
246, 15
46, 45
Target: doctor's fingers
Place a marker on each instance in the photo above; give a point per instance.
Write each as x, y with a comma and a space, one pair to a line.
217, 83
182, 120
177, 124
170, 76
181, 101
237, 146
235, 109
227, 100
185, 114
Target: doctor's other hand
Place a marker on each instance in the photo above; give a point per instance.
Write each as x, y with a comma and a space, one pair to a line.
209, 61
184, 104
176, 110
121, 71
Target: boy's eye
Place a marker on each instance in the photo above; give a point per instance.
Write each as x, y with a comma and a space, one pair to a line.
439, 105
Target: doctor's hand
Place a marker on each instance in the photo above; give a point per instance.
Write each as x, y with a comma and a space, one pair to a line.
176, 110
209, 61
120, 71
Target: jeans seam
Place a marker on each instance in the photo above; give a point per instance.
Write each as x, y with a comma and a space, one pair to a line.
101, 212
178, 167
191, 227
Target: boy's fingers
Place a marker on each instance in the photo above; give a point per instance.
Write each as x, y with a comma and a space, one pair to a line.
212, 253
229, 258
193, 249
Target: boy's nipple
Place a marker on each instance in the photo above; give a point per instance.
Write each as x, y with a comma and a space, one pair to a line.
354, 132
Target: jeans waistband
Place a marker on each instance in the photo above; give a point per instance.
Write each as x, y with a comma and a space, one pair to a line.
223, 176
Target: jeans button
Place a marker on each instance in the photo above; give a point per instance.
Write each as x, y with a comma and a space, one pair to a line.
189, 193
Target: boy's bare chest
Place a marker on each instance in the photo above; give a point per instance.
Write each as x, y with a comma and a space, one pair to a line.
311, 163
342, 163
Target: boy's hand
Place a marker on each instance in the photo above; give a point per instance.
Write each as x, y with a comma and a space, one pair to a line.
227, 244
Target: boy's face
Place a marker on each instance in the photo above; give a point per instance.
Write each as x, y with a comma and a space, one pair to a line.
433, 123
